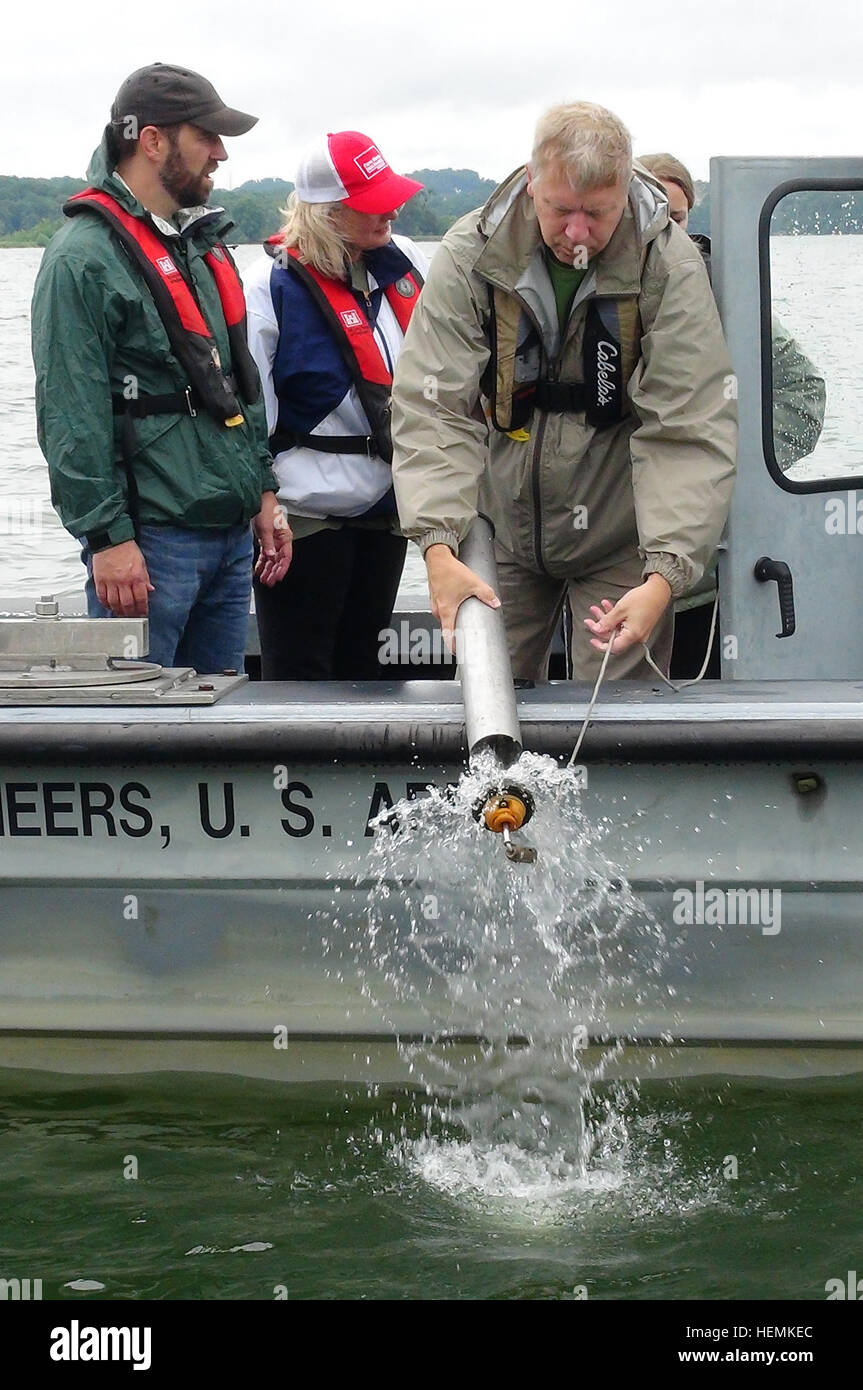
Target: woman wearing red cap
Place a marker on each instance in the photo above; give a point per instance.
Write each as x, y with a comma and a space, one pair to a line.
327, 312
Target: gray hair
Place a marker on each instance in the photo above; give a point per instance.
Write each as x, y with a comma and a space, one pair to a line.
588, 144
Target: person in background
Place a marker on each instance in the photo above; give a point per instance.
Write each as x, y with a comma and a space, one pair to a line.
328, 309
147, 401
565, 374
799, 391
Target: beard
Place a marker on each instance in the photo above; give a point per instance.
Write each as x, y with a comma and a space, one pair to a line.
187, 189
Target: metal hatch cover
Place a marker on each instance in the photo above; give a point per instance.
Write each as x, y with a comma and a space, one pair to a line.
169, 687
49, 659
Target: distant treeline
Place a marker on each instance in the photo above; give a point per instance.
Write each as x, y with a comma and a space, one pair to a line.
30, 209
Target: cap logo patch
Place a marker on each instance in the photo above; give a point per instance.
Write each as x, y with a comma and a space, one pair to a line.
166, 265
351, 318
370, 162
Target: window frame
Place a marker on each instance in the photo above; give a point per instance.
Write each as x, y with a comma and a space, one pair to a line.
801, 487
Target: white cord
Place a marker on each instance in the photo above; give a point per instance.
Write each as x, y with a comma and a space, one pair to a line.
580, 739
682, 685
653, 666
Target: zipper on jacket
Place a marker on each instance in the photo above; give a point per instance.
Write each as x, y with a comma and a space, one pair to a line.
537, 495
382, 343
377, 333
535, 489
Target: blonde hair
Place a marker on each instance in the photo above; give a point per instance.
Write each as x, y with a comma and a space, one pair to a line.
670, 170
587, 143
312, 229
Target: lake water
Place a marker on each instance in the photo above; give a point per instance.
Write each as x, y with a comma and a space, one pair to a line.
335, 1192
325, 1191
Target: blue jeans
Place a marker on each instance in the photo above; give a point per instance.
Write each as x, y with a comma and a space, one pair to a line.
199, 608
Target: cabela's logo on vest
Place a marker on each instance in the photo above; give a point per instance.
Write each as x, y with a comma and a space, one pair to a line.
406, 288
370, 162
351, 318
606, 357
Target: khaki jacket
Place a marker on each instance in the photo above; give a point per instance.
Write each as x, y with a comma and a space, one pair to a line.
569, 500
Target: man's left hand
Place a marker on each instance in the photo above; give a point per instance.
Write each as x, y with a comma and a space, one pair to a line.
275, 540
635, 615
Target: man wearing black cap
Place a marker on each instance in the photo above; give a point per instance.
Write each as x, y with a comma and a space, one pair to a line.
146, 395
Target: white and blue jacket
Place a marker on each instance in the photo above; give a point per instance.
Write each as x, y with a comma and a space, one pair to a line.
308, 388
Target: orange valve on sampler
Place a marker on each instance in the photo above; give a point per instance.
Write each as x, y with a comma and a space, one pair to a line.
504, 807
504, 812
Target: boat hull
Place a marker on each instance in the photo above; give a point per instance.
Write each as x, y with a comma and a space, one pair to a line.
208, 882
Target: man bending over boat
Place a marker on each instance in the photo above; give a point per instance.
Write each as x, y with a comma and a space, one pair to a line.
565, 373
147, 398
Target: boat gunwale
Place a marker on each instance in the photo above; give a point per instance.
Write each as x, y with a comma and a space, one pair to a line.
424, 720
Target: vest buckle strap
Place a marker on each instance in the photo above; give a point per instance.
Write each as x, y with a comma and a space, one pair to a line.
171, 403
324, 443
557, 397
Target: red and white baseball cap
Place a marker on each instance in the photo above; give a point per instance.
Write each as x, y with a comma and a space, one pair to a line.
350, 169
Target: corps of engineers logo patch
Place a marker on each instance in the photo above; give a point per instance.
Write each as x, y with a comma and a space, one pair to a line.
406, 288
370, 162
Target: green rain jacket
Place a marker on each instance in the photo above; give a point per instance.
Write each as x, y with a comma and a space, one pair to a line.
96, 336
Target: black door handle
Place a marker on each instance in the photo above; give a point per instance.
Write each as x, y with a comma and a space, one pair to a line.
767, 569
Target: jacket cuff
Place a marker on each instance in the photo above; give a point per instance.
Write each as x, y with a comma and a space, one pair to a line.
438, 538
115, 534
676, 572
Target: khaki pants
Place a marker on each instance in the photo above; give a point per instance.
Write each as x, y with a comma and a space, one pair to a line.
532, 608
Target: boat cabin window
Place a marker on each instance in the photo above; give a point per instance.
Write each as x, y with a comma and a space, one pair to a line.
812, 335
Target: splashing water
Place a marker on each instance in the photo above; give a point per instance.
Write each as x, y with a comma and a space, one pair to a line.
534, 965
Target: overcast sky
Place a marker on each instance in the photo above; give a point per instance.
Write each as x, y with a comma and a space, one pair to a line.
448, 82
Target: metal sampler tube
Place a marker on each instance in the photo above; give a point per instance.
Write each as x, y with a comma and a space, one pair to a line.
491, 716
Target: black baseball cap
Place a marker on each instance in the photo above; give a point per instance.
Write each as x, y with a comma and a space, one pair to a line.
162, 94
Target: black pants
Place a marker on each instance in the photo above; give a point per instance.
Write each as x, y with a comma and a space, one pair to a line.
322, 621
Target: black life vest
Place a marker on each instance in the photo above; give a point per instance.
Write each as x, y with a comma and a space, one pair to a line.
516, 381
356, 342
188, 332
